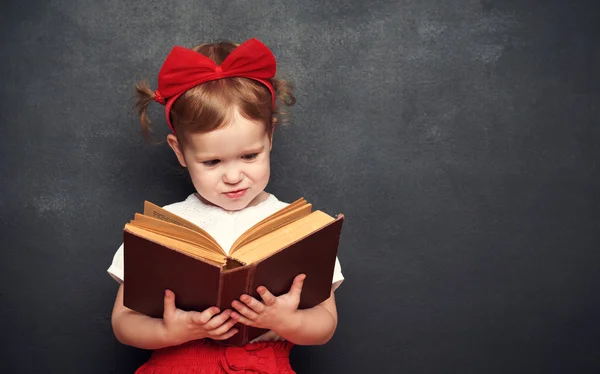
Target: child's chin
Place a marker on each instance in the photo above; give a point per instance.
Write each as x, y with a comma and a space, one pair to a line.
227, 204
234, 205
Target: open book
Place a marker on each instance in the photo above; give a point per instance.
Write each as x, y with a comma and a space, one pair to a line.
164, 251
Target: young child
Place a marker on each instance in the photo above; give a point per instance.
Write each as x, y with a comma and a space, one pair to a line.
221, 105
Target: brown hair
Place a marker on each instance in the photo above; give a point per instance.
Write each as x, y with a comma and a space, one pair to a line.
208, 106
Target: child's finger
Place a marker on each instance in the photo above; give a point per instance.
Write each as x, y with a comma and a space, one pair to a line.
227, 335
241, 319
266, 296
205, 316
220, 330
169, 305
244, 310
254, 304
296, 289
218, 320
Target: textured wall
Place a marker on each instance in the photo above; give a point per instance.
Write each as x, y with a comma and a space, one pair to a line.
460, 138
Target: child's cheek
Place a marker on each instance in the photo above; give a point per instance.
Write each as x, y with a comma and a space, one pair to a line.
263, 169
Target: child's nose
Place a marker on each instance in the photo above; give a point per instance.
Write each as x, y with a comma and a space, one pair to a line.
232, 176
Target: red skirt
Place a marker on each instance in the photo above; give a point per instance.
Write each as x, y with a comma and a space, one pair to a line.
208, 357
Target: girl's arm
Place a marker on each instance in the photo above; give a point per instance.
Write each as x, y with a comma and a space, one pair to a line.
135, 329
176, 327
314, 326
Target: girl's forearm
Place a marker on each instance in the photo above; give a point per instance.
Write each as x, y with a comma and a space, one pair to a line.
135, 329
138, 330
313, 326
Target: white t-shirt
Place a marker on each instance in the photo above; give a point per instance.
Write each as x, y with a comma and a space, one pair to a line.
225, 227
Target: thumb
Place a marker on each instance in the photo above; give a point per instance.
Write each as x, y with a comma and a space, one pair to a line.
296, 289
169, 305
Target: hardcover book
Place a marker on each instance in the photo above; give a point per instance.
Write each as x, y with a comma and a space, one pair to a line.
164, 251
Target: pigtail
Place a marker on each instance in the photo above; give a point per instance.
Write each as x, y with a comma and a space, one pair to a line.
284, 91
144, 96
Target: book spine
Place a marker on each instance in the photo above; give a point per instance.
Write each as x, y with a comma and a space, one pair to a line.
248, 291
233, 284
252, 333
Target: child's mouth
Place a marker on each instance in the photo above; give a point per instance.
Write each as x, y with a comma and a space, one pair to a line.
236, 194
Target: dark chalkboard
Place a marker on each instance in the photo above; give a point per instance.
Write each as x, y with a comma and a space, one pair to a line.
460, 139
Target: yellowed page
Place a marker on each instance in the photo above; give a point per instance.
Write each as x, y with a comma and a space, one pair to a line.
300, 202
282, 237
176, 232
179, 246
266, 226
157, 212
290, 207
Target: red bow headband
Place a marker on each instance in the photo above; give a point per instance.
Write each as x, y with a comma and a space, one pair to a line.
184, 69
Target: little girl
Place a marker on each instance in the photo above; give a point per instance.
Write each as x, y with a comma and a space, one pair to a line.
221, 105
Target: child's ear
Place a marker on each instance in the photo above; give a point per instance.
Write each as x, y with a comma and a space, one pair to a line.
176, 147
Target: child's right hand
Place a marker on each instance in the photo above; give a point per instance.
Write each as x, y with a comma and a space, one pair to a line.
181, 326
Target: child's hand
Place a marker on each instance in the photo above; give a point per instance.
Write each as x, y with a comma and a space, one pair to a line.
181, 326
274, 313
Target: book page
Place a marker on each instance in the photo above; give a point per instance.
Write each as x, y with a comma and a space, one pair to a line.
272, 242
266, 226
296, 210
176, 232
179, 246
300, 202
157, 212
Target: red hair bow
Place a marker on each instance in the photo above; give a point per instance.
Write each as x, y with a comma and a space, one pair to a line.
184, 69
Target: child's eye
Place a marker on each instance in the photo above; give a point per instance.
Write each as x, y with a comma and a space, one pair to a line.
251, 156
211, 162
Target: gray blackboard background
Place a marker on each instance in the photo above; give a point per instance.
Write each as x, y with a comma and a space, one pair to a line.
460, 138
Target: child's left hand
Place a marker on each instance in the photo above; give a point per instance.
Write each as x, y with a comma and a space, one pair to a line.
274, 313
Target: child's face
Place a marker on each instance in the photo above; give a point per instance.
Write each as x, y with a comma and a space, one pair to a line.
229, 167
